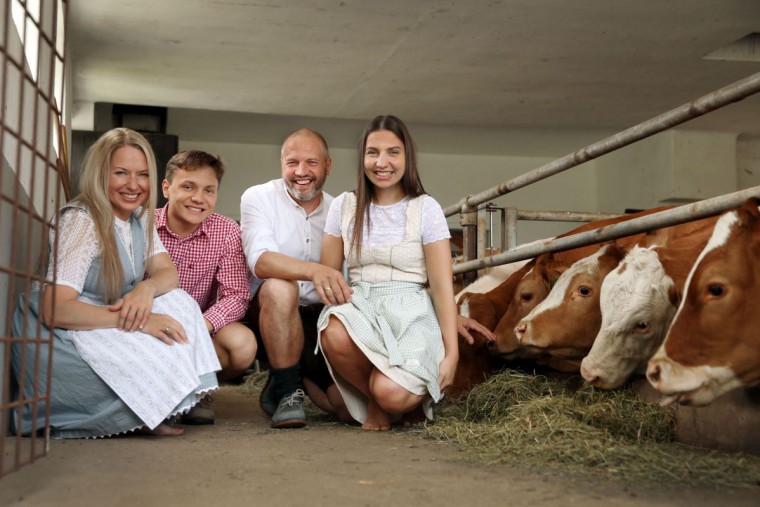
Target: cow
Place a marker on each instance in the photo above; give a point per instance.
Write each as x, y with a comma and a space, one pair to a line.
528, 284
637, 300
476, 363
564, 324
520, 296
713, 344
574, 316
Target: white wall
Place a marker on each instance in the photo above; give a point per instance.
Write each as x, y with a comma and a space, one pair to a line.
454, 161
676, 167
747, 161
672, 167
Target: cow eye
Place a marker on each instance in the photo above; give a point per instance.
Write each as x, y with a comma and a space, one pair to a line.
642, 326
584, 291
716, 290
526, 297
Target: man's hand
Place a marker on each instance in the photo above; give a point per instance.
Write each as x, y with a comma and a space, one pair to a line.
330, 285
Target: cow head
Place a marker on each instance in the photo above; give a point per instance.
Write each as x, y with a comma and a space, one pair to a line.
528, 291
713, 345
565, 324
637, 301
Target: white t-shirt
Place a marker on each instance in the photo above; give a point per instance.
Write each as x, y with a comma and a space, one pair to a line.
388, 223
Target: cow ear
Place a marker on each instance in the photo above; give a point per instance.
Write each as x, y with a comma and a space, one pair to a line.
751, 205
544, 259
657, 237
551, 275
616, 252
674, 295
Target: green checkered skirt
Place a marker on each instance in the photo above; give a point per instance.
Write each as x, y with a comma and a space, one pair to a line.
395, 326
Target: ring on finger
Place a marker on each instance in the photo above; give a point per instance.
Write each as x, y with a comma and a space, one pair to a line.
166, 330
328, 289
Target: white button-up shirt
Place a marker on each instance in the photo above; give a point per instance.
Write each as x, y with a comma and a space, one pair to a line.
272, 221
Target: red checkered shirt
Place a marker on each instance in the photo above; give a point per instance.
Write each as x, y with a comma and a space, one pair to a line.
211, 266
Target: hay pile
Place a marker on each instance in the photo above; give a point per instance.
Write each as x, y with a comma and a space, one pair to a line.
540, 423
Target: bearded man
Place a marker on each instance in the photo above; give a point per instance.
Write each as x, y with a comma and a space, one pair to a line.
282, 225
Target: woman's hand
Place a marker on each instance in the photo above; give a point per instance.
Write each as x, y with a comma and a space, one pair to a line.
165, 329
446, 371
466, 324
135, 307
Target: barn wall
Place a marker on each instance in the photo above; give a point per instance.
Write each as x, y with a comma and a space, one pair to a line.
454, 161
748, 161
674, 167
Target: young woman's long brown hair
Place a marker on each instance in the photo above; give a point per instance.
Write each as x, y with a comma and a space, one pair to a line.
410, 182
93, 187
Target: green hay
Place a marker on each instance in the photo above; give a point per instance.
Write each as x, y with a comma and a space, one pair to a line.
534, 421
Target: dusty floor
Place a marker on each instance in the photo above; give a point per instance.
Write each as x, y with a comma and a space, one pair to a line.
241, 461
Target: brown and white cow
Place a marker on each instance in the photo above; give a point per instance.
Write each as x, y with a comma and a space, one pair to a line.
476, 363
564, 325
638, 300
524, 294
580, 323
527, 285
713, 345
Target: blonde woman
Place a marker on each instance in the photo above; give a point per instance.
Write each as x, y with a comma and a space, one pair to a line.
129, 351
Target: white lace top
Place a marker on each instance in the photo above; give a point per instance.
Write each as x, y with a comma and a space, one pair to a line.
78, 246
389, 222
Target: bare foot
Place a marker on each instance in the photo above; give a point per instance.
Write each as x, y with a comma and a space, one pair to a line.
377, 418
162, 430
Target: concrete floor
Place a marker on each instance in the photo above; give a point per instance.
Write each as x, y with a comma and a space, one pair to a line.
241, 461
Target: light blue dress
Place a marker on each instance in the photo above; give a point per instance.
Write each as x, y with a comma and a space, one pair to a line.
82, 405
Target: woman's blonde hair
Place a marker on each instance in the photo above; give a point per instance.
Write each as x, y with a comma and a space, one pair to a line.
93, 193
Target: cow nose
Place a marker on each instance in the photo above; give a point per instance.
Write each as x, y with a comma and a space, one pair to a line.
587, 376
491, 346
653, 373
520, 331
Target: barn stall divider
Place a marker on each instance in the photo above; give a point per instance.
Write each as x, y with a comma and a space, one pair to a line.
704, 426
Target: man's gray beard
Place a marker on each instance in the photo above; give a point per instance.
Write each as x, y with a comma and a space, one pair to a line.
303, 198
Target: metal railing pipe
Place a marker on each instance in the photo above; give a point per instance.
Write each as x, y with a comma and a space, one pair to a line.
563, 216
731, 93
679, 215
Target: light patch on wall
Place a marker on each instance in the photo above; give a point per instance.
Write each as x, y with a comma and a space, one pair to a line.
24, 19
746, 49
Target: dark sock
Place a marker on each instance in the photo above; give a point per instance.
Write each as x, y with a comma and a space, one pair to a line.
286, 380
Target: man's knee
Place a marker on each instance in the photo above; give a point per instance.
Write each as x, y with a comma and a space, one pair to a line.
281, 296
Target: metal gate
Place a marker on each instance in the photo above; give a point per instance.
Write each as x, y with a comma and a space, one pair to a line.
34, 175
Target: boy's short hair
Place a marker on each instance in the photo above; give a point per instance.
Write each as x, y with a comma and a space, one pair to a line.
191, 160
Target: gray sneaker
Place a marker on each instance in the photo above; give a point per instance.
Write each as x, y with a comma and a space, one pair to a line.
290, 413
201, 413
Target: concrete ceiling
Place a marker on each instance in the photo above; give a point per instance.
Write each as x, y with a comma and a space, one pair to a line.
508, 63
